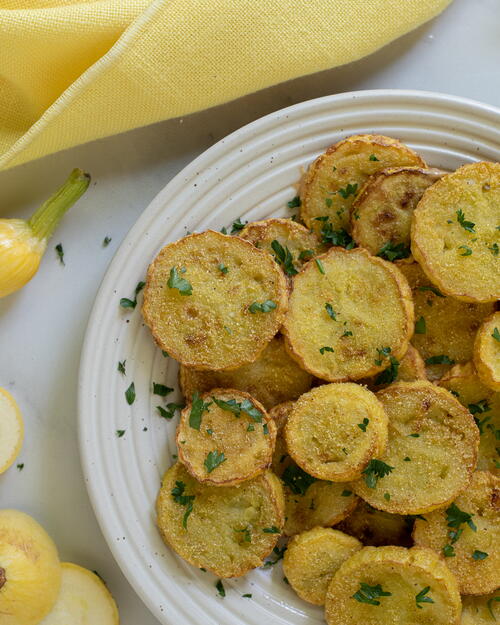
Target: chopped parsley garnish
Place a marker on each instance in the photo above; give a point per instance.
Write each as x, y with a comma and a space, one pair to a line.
324, 349
387, 496
490, 606
284, 258
220, 588
373, 157
391, 251
390, 374
236, 408
370, 594
407, 459
467, 250
20, 466
213, 460
364, 425
466, 225
271, 530
164, 353
223, 230
130, 394
454, 535
169, 412
294, 203
346, 493
181, 284
449, 551
106, 242
161, 389
479, 555
328, 202
184, 500
339, 238
330, 311
250, 428
420, 327
432, 289
237, 226
494, 249
279, 552
347, 333
422, 597
265, 307
383, 352
320, 267
210, 431
132, 303
120, 433
247, 595
265, 429
439, 360
376, 470
350, 189
496, 334
306, 255
297, 480
222, 268
457, 517
247, 536
414, 435
121, 366
198, 407
60, 253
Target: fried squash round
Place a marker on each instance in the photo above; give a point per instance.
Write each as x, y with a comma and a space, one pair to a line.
484, 404
393, 586
487, 352
468, 535
430, 455
349, 314
483, 610
331, 183
455, 235
273, 378
228, 530
313, 557
225, 437
382, 211
377, 528
334, 430
308, 502
444, 326
214, 301
289, 242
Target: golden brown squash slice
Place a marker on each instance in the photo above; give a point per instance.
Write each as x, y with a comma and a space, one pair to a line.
484, 610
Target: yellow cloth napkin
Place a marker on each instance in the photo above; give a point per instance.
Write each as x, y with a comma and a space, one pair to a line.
76, 70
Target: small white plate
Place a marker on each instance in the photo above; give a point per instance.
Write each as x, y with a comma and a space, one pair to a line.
249, 174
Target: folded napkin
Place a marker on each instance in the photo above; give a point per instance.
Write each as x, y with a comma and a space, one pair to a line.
76, 70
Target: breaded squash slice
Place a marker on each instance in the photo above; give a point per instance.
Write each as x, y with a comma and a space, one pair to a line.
228, 530
487, 351
225, 437
455, 235
484, 610
289, 242
410, 368
273, 378
334, 430
349, 314
382, 211
467, 534
332, 182
444, 326
484, 405
214, 301
313, 557
393, 586
308, 502
377, 528
430, 455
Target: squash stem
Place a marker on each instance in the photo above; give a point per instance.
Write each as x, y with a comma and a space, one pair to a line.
45, 220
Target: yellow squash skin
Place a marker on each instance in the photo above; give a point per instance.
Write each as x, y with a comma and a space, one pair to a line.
20, 254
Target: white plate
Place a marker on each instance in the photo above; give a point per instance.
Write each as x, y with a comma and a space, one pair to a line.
249, 174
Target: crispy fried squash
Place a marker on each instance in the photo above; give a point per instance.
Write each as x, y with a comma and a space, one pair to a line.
455, 235
430, 455
313, 557
349, 314
487, 351
467, 534
273, 378
334, 179
228, 530
334, 430
214, 301
377, 528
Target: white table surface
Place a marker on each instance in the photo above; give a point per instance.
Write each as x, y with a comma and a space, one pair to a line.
42, 327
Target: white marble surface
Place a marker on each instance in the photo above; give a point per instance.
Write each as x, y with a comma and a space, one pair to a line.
42, 327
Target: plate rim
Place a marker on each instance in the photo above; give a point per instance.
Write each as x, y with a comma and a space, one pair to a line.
151, 211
